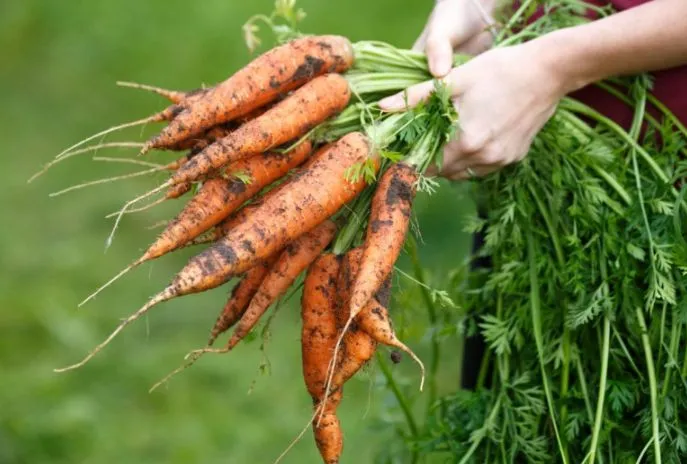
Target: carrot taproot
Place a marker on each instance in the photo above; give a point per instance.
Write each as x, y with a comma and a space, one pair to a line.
289, 119
275, 72
241, 295
177, 191
296, 257
311, 196
386, 232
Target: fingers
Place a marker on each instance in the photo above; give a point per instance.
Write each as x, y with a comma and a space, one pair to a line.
439, 50
420, 43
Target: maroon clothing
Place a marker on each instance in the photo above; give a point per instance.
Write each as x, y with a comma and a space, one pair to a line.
670, 86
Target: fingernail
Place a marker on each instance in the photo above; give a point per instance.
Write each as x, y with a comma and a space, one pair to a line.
394, 102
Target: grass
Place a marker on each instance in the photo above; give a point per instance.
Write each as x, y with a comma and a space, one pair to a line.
60, 63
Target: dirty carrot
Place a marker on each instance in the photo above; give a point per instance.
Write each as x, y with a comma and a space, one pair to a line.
319, 332
318, 336
353, 347
296, 257
289, 119
275, 72
386, 232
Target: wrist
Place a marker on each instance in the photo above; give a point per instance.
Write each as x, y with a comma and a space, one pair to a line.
565, 54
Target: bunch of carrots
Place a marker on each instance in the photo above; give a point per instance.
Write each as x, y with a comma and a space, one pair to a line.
291, 169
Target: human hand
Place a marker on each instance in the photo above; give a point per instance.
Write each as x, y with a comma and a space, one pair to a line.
455, 26
503, 98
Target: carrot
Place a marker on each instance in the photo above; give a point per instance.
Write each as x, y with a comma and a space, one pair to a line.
319, 332
275, 72
287, 120
177, 191
273, 128
386, 232
293, 260
318, 336
310, 197
235, 306
240, 297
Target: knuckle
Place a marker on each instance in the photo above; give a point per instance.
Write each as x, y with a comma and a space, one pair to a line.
471, 142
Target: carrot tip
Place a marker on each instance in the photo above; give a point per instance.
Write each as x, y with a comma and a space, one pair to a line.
145, 148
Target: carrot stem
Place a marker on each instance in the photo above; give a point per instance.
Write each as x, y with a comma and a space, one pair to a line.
402, 401
432, 316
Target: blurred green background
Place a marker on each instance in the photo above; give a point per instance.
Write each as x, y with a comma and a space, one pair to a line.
60, 61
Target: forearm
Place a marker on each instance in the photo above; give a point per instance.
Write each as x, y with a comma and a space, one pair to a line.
646, 38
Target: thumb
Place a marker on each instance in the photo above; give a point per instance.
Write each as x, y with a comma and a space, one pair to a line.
439, 50
408, 98
417, 93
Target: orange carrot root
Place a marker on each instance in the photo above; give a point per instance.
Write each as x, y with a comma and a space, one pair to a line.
375, 321
386, 232
276, 72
